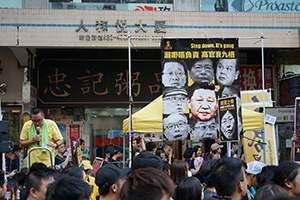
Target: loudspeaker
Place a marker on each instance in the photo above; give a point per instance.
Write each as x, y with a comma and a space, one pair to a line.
5, 144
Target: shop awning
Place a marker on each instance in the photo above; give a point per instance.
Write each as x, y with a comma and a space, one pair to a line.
149, 119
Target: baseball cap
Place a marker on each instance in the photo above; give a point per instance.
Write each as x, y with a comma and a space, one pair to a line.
146, 159
119, 148
87, 164
108, 175
169, 91
215, 146
255, 167
110, 150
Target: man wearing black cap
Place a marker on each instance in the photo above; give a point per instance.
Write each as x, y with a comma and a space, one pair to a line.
118, 155
109, 152
109, 179
146, 159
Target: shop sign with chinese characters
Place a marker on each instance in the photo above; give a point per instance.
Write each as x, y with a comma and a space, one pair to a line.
251, 78
95, 82
99, 30
106, 141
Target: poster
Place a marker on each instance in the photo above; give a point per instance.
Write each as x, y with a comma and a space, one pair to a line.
253, 145
195, 73
97, 164
75, 131
297, 130
228, 118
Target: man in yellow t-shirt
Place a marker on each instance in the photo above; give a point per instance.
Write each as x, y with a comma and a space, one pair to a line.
39, 132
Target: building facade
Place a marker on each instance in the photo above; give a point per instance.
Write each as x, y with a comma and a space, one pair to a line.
71, 58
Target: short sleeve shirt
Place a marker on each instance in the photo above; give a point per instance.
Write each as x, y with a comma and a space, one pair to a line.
39, 155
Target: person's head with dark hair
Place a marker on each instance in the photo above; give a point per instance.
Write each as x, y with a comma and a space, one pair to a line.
287, 176
109, 179
189, 153
202, 101
146, 159
174, 73
37, 116
68, 187
179, 171
36, 110
269, 192
160, 152
3, 184
150, 146
198, 151
166, 147
82, 144
266, 176
285, 198
20, 178
202, 71
75, 172
227, 71
147, 184
229, 178
189, 188
37, 181
166, 168
205, 172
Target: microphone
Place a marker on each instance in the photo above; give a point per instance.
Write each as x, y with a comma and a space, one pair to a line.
38, 132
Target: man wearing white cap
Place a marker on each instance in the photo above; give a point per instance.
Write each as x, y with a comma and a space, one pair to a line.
174, 100
253, 168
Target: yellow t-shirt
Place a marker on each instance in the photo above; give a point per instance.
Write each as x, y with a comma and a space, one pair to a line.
39, 155
92, 183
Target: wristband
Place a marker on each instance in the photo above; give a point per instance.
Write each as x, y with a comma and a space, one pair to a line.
56, 144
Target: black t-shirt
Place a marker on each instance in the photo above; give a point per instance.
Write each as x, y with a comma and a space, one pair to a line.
112, 161
59, 160
191, 163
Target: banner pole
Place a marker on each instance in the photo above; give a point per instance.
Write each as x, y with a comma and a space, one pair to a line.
263, 87
130, 104
228, 149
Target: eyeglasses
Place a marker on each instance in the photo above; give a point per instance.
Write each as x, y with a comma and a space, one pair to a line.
173, 126
207, 68
176, 99
172, 74
211, 127
37, 121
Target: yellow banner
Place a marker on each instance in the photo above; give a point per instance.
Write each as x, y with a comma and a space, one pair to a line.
253, 147
253, 99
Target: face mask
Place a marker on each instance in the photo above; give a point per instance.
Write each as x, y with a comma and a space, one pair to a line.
190, 174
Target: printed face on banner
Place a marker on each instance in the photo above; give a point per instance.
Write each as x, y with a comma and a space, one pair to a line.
205, 129
228, 125
176, 127
228, 119
173, 75
203, 104
195, 73
227, 72
202, 71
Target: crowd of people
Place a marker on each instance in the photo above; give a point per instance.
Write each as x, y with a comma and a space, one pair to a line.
155, 176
